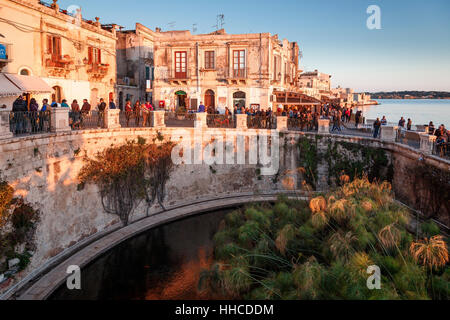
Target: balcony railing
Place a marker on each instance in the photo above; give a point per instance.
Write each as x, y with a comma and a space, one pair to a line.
239, 73
261, 122
97, 70
220, 121
29, 122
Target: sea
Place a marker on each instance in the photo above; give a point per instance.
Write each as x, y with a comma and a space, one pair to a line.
420, 111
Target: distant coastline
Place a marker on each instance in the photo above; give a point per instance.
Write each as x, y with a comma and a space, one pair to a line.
408, 95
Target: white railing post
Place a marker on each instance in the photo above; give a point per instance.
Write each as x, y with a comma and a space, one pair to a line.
59, 120
324, 126
427, 143
388, 133
241, 121
112, 118
282, 123
158, 119
200, 120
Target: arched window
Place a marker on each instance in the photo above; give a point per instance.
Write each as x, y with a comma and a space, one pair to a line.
239, 99
24, 72
210, 99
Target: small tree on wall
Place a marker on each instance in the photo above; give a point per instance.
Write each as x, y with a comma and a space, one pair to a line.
128, 174
159, 166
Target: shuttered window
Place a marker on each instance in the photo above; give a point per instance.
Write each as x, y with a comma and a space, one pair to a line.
209, 60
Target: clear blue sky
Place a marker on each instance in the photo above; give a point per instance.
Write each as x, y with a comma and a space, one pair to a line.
411, 51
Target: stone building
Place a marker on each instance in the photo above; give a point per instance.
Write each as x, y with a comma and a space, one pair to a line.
55, 53
222, 70
315, 84
135, 62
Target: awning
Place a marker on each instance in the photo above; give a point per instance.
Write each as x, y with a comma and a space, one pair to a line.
29, 84
7, 88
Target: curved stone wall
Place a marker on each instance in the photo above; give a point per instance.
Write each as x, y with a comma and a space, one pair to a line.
43, 170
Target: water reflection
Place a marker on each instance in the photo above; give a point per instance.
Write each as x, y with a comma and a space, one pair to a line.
163, 263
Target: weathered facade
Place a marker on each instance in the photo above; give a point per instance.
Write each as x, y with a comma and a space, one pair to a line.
74, 56
315, 84
135, 64
222, 70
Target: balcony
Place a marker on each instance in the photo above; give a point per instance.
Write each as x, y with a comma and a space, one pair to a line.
97, 71
5, 54
58, 66
179, 78
237, 76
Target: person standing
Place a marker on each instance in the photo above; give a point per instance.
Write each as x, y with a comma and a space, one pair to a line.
19, 109
201, 107
145, 114
128, 112
64, 104
75, 114
402, 122
357, 118
384, 121
376, 128
137, 113
409, 125
101, 113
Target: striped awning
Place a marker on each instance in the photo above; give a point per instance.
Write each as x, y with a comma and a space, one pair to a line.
7, 88
29, 84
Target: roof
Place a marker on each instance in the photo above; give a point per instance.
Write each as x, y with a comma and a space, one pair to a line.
29, 84
7, 88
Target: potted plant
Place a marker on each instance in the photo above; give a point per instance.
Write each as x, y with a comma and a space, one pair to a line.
181, 113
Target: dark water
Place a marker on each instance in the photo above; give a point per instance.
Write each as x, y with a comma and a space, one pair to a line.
163, 263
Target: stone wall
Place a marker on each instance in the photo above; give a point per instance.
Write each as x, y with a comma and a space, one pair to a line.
43, 170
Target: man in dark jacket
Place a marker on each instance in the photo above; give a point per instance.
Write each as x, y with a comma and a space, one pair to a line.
19, 108
101, 113
376, 128
86, 108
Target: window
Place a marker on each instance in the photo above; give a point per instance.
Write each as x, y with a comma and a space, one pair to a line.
180, 65
24, 72
54, 46
239, 63
94, 55
209, 60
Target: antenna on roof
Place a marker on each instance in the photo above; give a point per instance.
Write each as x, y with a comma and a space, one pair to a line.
220, 22
172, 24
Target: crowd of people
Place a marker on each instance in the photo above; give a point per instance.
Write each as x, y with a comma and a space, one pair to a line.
35, 117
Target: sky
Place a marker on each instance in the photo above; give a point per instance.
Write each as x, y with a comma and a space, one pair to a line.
411, 51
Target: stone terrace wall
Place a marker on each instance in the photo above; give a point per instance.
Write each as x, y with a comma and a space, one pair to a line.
43, 170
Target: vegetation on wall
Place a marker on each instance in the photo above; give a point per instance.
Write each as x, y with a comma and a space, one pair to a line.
18, 222
354, 160
309, 160
322, 249
432, 189
129, 174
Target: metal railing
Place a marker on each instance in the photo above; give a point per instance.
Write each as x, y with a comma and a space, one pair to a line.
132, 119
442, 149
262, 122
301, 124
30, 122
220, 121
410, 138
176, 119
87, 120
